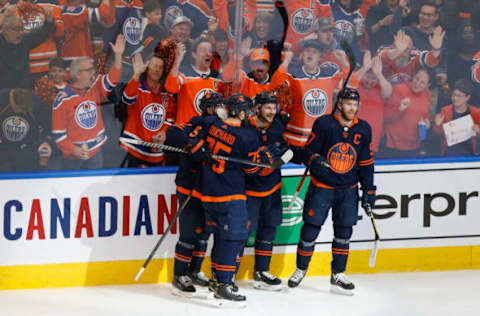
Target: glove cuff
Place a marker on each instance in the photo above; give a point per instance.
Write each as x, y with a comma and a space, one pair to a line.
311, 159
369, 189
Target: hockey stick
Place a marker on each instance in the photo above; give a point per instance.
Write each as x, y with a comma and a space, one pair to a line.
159, 242
376, 243
299, 187
352, 62
286, 157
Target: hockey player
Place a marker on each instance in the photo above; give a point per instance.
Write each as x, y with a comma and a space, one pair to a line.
192, 244
339, 156
264, 199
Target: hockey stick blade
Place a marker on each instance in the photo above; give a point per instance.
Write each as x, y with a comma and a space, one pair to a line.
179, 150
373, 254
286, 157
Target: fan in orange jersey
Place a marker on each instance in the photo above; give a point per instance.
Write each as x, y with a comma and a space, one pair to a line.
151, 111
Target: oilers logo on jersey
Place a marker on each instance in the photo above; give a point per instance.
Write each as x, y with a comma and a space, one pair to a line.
33, 22
132, 30
315, 102
171, 14
86, 115
344, 30
342, 157
199, 96
399, 78
153, 116
15, 128
302, 21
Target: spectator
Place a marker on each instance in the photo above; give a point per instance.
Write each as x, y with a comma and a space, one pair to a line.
221, 49
194, 10
401, 60
192, 81
374, 89
405, 111
48, 86
14, 50
181, 32
151, 111
460, 107
154, 31
22, 135
77, 123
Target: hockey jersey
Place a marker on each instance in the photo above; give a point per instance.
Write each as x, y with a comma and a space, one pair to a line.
77, 120
348, 150
248, 85
196, 10
313, 97
302, 16
128, 21
77, 19
147, 114
267, 181
41, 55
190, 87
345, 28
395, 74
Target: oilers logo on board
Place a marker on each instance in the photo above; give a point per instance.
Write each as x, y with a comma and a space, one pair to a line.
132, 30
86, 115
15, 128
342, 157
199, 97
171, 14
344, 30
315, 102
302, 21
153, 116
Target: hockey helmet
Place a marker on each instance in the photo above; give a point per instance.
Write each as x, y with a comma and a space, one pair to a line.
265, 97
349, 94
238, 103
211, 100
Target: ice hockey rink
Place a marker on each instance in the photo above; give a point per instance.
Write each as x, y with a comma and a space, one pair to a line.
415, 293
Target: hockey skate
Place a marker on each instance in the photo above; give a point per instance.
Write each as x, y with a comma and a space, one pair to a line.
263, 280
340, 284
182, 286
198, 278
296, 278
228, 298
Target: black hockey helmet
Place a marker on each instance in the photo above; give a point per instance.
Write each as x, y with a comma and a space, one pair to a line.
265, 97
349, 94
238, 103
211, 100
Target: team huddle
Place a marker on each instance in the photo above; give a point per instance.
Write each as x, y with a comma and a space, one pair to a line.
231, 199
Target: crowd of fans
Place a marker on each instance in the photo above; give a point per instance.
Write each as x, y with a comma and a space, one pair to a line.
77, 74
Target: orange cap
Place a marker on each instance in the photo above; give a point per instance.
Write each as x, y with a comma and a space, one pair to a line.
260, 54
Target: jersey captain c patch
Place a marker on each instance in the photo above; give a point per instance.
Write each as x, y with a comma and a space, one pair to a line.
153, 116
86, 115
342, 157
315, 102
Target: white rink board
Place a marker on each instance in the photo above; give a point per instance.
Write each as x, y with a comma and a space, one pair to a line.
399, 230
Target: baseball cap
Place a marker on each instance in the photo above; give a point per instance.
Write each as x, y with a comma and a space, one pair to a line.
182, 19
324, 24
260, 54
313, 43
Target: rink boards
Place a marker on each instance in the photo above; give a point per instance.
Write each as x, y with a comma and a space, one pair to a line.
93, 228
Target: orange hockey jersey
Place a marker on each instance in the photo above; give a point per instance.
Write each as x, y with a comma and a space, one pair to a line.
77, 120
191, 86
148, 113
313, 97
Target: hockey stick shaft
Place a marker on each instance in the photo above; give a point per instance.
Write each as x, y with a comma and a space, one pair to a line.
373, 255
299, 187
179, 150
165, 234
352, 63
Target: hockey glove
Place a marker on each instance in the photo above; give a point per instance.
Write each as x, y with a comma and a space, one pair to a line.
319, 167
199, 149
368, 198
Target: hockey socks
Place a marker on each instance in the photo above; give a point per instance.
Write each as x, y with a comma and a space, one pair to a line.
340, 248
306, 245
183, 257
264, 247
225, 254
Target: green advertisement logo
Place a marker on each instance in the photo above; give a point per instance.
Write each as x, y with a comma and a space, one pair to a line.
288, 233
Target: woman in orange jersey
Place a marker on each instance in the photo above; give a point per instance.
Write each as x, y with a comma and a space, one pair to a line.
150, 111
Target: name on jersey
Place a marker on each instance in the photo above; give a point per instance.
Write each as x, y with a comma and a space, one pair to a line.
86, 115
302, 21
15, 128
153, 116
132, 30
342, 157
315, 102
221, 134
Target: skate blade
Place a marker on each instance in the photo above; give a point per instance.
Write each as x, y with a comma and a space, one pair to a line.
194, 295
338, 290
266, 287
223, 303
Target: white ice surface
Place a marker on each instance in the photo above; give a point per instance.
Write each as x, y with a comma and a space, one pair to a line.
420, 293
